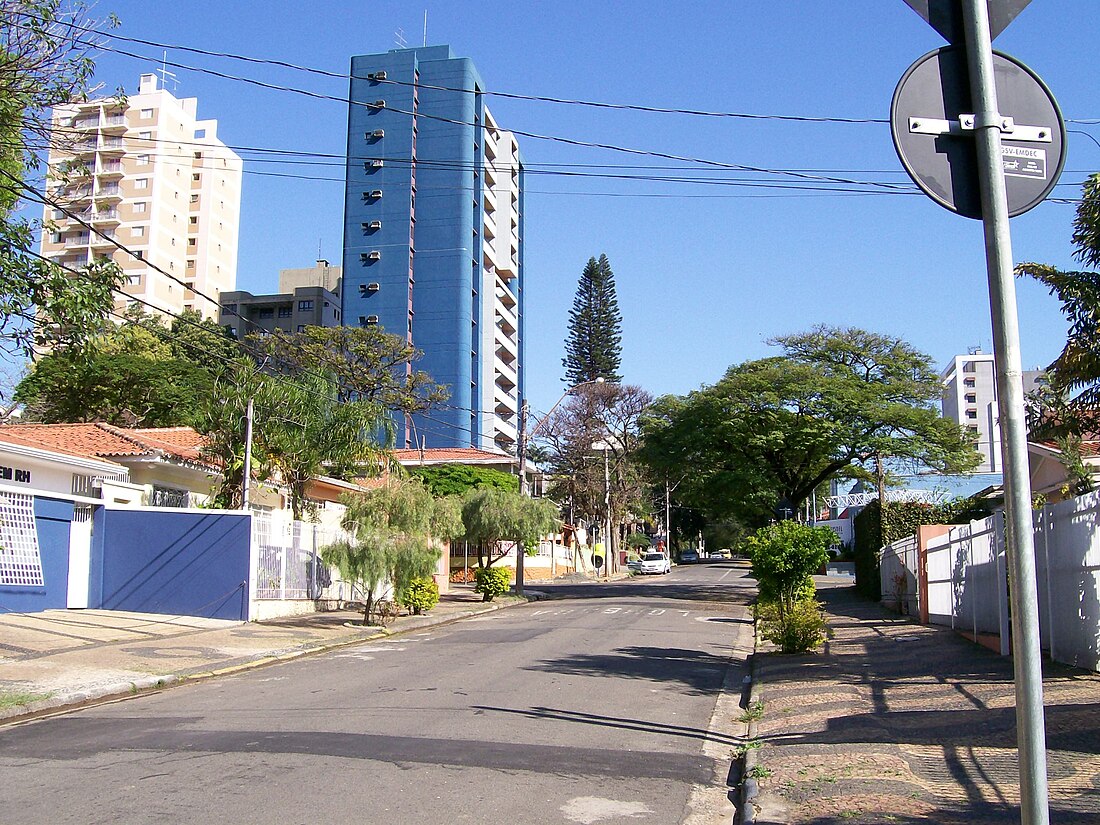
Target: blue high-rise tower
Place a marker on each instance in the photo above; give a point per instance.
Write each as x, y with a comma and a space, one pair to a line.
433, 238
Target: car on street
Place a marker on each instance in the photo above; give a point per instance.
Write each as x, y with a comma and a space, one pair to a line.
654, 563
689, 557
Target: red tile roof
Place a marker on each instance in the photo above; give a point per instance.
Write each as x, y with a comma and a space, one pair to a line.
99, 440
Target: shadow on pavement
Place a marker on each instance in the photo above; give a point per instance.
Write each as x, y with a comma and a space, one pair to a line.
622, 723
701, 673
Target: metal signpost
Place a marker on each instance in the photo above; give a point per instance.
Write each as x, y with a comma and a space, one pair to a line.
981, 162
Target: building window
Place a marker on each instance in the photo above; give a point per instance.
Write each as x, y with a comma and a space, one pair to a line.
190, 263
139, 208
196, 176
971, 398
137, 231
142, 160
266, 312
194, 220
146, 114
170, 497
286, 312
141, 183
305, 306
194, 199
191, 242
145, 135
968, 382
301, 327
972, 414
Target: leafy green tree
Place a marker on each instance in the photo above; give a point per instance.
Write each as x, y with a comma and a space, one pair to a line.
223, 420
593, 346
305, 430
44, 62
366, 363
138, 372
456, 479
784, 558
774, 429
492, 516
1071, 406
398, 532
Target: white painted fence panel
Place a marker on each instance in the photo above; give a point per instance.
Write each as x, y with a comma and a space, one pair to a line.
968, 583
898, 572
1067, 551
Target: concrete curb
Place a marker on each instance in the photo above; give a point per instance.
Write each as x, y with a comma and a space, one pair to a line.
130, 688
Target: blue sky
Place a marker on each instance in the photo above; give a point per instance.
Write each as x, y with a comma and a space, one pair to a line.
705, 273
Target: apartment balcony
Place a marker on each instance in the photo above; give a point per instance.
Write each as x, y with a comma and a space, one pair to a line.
77, 240
105, 237
85, 122
111, 168
110, 191
505, 430
506, 348
113, 146
505, 375
489, 199
113, 123
103, 216
506, 319
504, 400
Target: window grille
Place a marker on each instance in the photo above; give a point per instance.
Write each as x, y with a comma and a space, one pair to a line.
20, 558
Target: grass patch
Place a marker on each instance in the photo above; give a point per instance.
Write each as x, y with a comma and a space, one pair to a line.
15, 698
759, 772
753, 713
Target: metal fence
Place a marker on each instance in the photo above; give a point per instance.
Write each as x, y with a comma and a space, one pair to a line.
968, 581
898, 572
288, 562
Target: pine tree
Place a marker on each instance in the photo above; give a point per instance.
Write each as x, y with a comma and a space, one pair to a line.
593, 347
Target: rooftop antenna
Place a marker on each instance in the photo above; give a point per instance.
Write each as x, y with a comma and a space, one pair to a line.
425, 27
165, 74
399, 39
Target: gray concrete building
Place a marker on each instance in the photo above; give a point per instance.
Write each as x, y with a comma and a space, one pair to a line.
245, 313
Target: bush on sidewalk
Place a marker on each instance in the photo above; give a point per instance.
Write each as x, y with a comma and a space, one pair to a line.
798, 629
784, 558
420, 595
492, 581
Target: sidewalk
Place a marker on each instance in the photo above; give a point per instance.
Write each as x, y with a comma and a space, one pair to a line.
895, 722
61, 658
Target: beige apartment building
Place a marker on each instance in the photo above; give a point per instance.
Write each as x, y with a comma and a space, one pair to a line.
148, 175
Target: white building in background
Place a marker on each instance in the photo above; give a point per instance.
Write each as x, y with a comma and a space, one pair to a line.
145, 172
970, 399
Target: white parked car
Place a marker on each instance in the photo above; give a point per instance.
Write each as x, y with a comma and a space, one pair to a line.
654, 563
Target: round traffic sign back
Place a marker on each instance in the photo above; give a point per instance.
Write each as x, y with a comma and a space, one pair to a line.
931, 122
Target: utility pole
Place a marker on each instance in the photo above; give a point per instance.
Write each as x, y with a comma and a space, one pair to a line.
607, 511
247, 471
521, 447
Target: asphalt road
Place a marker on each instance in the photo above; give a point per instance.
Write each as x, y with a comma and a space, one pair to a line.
598, 706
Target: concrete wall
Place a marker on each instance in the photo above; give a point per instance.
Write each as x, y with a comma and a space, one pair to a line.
192, 563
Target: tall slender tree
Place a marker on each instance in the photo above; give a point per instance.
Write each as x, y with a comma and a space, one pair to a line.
593, 346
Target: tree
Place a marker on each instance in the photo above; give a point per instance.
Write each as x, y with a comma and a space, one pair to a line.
44, 61
492, 516
456, 479
1072, 404
305, 430
595, 419
139, 372
397, 533
774, 429
366, 364
593, 347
